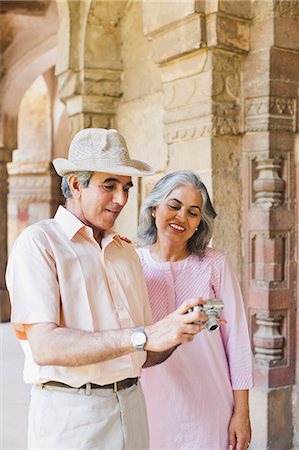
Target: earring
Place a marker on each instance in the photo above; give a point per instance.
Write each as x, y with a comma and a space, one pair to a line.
196, 229
153, 215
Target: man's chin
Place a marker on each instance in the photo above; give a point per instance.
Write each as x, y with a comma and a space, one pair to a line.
106, 225
107, 221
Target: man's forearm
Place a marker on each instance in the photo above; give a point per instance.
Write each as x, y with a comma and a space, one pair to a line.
154, 358
52, 345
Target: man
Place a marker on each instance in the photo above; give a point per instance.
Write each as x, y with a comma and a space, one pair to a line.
79, 302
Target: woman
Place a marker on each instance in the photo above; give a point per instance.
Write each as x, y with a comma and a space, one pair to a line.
198, 398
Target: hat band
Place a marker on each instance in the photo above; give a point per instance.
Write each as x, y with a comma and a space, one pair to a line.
109, 161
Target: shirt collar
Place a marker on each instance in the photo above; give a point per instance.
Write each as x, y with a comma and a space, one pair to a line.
68, 222
71, 225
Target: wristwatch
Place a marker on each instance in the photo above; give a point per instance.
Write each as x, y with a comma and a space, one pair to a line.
138, 338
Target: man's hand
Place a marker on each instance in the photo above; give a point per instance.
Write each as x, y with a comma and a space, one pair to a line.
176, 328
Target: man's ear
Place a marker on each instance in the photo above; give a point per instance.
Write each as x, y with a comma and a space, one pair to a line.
75, 186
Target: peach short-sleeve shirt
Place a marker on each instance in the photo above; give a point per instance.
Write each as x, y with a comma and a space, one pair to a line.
58, 273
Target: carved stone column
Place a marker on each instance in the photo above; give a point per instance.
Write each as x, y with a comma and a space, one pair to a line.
89, 65
5, 156
271, 88
200, 47
34, 193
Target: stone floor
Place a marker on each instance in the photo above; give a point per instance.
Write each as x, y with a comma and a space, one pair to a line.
14, 394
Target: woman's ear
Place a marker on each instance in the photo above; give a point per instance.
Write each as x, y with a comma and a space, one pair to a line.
75, 186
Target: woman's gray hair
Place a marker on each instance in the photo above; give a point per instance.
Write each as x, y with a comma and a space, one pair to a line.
83, 177
147, 231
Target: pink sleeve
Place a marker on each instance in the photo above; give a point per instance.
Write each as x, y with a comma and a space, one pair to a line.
235, 333
148, 317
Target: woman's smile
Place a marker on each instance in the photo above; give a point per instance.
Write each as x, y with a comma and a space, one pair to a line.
177, 228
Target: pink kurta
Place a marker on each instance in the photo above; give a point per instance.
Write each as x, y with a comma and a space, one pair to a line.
189, 397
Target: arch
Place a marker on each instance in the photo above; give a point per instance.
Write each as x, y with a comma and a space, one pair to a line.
18, 78
34, 123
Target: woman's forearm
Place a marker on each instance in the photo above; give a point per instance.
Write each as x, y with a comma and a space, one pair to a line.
241, 401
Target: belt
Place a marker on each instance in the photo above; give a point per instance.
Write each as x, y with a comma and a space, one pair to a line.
117, 386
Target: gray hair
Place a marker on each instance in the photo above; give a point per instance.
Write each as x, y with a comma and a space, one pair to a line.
147, 230
83, 177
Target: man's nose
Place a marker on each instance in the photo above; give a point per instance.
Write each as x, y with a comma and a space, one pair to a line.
120, 197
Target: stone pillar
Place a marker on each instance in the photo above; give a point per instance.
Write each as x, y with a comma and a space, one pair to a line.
200, 47
5, 155
271, 75
34, 193
89, 64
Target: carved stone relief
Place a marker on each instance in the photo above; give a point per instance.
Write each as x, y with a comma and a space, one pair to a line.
226, 76
226, 118
277, 8
270, 113
101, 82
269, 259
34, 194
33, 182
184, 133
287, 8
190, 114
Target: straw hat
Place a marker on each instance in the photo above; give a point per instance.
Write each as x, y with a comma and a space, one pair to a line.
100, 150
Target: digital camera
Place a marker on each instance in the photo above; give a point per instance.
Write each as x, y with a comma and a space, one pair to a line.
212, 308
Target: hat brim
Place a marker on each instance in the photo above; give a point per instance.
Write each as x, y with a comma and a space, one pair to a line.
128, 168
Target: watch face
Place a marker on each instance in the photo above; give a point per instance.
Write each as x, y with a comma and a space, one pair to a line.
138, 338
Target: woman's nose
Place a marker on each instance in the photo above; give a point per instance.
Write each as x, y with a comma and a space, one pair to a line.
181, 214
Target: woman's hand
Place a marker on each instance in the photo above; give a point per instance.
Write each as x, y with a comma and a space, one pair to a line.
239, 426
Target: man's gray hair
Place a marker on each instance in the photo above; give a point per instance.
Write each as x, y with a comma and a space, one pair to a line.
147, 231
83, 178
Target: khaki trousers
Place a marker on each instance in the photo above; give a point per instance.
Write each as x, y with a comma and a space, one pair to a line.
99, 419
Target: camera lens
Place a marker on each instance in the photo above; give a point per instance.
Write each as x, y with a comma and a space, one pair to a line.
212, 324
